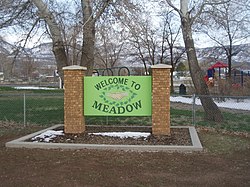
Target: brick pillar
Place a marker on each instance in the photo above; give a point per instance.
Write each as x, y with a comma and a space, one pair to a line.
74, 121
161, 99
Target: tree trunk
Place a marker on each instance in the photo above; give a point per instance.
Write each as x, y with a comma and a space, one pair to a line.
87, 58
173, 67
58, 44
212, 111
172, 80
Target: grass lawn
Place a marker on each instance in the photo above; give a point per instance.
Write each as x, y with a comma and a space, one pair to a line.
232, 121
45, 107
39, 109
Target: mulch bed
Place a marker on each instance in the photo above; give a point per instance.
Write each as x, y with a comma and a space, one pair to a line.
178, 136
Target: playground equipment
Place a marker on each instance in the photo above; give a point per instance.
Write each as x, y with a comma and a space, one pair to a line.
217, 74
212, 74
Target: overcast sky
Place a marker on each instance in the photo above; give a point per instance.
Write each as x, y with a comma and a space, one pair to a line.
201, 40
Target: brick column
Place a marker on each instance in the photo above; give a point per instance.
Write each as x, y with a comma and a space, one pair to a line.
161, 99
74, 121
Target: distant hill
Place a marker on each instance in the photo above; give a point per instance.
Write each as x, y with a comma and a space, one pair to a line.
43, 51
43, 54
212, 54
5, 47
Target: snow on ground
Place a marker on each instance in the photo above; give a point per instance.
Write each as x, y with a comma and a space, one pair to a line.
134, 135
33, 88
47, 135
228, 103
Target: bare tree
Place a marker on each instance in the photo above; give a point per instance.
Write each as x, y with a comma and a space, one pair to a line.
6, 66
45, 11
227, 24
143, 37
56, 35
151, 42
15, 13
27, 67
170, 36
71, 28
110, 45
188, 16
146, 40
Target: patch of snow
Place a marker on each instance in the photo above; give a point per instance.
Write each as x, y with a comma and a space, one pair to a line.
33, 88
228, 103
134, 135
47, 135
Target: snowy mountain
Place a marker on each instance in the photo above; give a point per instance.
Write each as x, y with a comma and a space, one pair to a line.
212, 54
41, 54
43, 51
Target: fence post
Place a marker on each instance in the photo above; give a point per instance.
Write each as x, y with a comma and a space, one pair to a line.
242, 78
193, 110
24, 109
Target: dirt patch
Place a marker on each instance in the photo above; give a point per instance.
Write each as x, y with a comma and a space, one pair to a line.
94, 168
178, 136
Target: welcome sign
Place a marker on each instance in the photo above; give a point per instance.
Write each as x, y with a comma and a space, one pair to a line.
117, 96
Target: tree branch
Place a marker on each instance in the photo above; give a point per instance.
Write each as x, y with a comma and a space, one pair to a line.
106, 3
15, 15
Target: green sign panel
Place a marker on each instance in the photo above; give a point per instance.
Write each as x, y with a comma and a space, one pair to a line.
117, 96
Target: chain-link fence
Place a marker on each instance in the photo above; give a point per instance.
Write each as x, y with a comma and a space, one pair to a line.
46, 109
32, 108
235, 112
